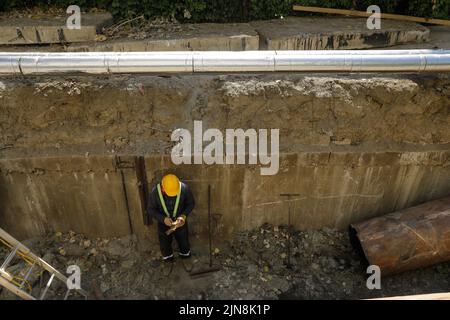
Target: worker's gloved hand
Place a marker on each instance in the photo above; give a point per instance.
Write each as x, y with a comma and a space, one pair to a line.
168, 222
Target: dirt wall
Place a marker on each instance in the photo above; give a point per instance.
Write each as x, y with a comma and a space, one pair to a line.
107, 115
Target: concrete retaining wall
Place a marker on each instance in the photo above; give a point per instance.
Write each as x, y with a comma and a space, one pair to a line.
324, 33
85, 194
293, 33
48, 29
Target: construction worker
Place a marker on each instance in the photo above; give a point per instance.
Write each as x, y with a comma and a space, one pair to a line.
170, 203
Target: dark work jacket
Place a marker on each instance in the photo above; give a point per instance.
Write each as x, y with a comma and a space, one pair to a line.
185, 206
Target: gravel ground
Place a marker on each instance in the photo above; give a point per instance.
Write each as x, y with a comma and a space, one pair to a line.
253, 266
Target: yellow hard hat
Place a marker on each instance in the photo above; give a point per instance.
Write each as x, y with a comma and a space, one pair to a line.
171, 185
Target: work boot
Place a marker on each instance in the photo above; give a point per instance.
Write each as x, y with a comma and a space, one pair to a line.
167, 266
186, 260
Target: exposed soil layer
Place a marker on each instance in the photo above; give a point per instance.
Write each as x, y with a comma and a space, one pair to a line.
121, 114
324, 266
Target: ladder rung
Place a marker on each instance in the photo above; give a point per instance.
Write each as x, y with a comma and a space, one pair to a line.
11, 287
67, 294
47, 286
27, 275
10, 257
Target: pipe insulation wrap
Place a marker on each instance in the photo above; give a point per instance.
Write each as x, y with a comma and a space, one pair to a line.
226, 61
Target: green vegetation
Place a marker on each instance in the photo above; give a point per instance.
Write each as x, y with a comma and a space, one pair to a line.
233, 10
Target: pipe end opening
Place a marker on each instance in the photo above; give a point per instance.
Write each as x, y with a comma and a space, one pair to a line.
356, 244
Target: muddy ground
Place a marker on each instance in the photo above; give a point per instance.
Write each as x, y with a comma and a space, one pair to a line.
253, 266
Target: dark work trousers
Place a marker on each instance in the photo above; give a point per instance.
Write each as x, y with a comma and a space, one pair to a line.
165, 241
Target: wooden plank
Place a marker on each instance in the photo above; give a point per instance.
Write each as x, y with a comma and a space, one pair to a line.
431, 296
357, 13
18, 292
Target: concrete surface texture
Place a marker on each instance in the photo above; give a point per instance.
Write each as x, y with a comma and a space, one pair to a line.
321, 33
51, 29
439, 39
299, 33
198, 37
86, 193
354, 147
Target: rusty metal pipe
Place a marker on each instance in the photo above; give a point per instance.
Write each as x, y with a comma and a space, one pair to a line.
408, 239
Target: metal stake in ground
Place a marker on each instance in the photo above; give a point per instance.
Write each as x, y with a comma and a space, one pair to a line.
210, 268
288, 245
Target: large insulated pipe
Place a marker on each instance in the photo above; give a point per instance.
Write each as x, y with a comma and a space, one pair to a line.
407, 239
226, 61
